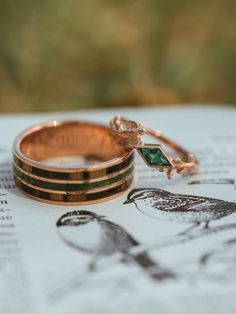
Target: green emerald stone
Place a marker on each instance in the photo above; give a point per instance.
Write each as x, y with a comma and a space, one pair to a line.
154, 156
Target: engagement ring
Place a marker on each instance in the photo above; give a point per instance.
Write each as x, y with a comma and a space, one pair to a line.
129, 133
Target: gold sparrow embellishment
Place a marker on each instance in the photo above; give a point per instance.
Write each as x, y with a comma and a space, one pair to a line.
129, 133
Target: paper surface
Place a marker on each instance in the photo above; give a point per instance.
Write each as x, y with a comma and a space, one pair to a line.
181, 233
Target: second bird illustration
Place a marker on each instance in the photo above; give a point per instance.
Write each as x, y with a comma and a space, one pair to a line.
93, 234
183, 208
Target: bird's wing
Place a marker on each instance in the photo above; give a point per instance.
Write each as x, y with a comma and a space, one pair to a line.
179, 202
121, 239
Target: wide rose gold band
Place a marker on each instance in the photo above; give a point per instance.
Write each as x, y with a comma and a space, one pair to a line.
38, 175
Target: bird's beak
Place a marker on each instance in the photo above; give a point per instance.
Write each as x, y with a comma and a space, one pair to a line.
128, 201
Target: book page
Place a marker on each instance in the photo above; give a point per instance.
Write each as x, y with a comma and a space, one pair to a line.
180, 235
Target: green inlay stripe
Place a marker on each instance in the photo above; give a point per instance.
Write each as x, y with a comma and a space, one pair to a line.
73, 198
80, 175
72, 187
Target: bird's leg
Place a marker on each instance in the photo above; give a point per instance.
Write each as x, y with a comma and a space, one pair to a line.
187, 231
207, 228
126, 258
92, 265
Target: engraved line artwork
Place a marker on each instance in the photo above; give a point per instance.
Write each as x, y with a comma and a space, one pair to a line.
215, 264
90, 233
223, 181
93, 234
181, 208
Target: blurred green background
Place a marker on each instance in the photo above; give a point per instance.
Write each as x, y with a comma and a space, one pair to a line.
63, 55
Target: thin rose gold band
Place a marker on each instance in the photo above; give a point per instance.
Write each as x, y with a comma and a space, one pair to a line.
129, 133
71, 184
189, 162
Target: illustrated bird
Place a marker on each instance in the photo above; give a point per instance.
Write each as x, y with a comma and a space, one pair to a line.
90, 233
180, 208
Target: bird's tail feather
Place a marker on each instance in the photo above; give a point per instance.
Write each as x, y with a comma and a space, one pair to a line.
151, 267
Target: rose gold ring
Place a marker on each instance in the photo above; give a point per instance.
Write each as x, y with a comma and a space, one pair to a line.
129, 133
47, 163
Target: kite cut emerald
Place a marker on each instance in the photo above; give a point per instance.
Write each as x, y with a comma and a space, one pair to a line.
154, 156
